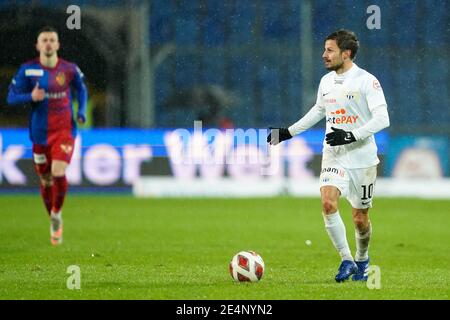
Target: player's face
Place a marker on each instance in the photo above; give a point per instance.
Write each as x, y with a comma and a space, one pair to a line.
47, 43
332, 56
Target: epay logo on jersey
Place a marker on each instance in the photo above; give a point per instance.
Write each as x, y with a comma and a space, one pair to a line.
339, 117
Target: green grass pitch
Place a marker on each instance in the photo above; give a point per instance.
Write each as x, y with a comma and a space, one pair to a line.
130, 248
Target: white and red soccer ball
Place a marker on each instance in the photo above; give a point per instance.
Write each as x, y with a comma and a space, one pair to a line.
247, 266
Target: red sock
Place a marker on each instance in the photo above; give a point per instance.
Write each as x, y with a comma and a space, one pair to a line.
46, 193
59, 192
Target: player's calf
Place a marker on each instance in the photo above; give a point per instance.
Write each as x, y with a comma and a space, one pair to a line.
46, 190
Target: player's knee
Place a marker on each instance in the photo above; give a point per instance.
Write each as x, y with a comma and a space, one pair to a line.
42, 169
58, 173
46, 180
58, 170
329, 206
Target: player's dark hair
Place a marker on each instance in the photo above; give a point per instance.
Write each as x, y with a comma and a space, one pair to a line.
345, 40
46, 29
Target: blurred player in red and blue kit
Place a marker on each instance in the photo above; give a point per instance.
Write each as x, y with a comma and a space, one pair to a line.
46, 83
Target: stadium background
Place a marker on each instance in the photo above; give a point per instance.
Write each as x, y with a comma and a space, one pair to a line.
154, 67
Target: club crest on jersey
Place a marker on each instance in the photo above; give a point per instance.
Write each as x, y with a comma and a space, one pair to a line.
61, 78
352, 95
66, 148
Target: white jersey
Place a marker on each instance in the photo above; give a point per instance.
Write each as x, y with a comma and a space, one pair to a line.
349, 101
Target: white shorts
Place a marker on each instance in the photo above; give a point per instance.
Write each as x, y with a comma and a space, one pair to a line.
356, 185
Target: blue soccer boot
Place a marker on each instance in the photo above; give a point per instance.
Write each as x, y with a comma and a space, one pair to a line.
363, 268
346, 269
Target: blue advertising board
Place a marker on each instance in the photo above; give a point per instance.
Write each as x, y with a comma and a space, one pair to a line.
117, 157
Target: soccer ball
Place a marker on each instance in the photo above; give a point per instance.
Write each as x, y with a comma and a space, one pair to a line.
247, 266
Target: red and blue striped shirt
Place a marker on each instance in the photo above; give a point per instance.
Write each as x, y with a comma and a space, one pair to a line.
55, 112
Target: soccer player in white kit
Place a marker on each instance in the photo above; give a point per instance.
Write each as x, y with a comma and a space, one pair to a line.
353, 104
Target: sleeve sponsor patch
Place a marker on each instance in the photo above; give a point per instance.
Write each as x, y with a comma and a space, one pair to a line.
34, 72
376, 85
